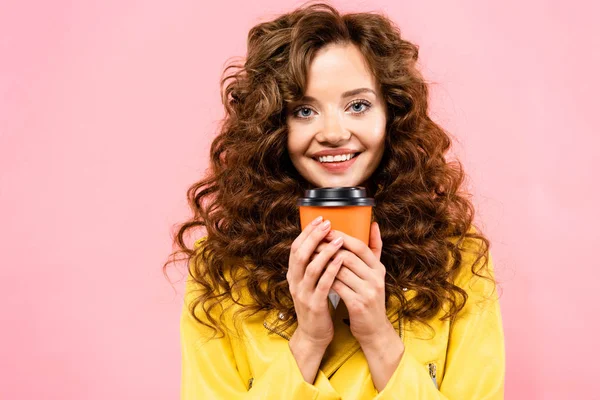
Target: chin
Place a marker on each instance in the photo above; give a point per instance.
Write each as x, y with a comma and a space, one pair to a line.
336, 183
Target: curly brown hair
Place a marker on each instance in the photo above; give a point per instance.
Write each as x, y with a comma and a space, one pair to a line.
247, 200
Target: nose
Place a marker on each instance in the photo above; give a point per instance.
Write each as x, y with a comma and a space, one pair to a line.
333, 130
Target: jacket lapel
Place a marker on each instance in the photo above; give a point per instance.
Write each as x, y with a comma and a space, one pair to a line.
343, 346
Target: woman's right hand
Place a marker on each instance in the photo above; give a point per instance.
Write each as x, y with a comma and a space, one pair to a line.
309, 285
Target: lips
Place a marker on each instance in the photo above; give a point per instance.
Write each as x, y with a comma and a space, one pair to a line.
334, 152
339, 166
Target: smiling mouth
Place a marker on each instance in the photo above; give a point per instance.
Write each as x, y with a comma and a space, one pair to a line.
339, 166
331, 159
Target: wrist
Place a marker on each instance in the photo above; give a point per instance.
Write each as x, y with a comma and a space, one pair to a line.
308, 356
381, 342
383, 355
304, 343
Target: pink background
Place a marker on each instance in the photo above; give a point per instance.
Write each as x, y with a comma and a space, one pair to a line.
107, 110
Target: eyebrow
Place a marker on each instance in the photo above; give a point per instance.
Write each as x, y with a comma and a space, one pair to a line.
349, 93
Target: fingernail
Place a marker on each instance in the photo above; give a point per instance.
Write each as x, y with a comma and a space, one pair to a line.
338, 240
318, 220
326, 225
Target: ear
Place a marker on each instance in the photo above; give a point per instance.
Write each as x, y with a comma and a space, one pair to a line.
375, 242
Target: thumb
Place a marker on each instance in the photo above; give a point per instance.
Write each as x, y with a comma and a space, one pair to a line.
375, 242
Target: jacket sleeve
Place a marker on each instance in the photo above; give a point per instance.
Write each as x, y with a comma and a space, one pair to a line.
209, 369
475, 360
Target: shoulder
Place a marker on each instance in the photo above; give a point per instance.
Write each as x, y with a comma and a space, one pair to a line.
226, 281
476, 271
200, 287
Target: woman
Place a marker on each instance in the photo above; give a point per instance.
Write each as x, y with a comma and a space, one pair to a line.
416, 314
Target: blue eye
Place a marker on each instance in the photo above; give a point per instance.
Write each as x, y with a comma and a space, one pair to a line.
357, 107
302, 112
360, 104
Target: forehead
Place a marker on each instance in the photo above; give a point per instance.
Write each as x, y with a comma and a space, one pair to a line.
337, 68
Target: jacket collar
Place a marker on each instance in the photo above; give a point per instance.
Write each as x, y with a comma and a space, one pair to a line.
344, 345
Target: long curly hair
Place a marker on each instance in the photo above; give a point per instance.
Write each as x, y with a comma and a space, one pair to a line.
247, 199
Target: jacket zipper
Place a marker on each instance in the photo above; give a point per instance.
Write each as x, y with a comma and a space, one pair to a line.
250, 381
400, 326
433, 373
283, 335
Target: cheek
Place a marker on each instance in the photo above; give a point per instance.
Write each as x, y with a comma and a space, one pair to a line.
373, 132
297, 144
379, 127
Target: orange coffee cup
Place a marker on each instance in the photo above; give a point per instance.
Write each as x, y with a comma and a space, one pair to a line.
348, 208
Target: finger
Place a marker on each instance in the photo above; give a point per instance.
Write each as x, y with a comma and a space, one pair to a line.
315, 254
315, 268
350, 279
305, 232
357, 247
357, 267
307, 249
321, 246
375, 242
301, 250
324, 284
344, 291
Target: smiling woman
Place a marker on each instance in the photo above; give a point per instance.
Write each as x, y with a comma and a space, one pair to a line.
324, 100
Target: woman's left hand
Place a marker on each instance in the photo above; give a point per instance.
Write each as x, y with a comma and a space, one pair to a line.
360, 282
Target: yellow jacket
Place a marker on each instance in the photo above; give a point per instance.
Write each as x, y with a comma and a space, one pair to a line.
461, 360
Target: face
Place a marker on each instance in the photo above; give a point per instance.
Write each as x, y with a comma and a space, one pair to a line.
342, 112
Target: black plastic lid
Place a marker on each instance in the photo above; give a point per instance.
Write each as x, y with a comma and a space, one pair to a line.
336, 196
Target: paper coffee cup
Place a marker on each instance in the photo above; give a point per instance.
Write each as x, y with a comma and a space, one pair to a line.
348, 208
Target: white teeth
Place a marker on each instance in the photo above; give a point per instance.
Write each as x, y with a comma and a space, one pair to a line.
343, 157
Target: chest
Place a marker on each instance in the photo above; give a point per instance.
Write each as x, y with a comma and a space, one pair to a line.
343, 363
